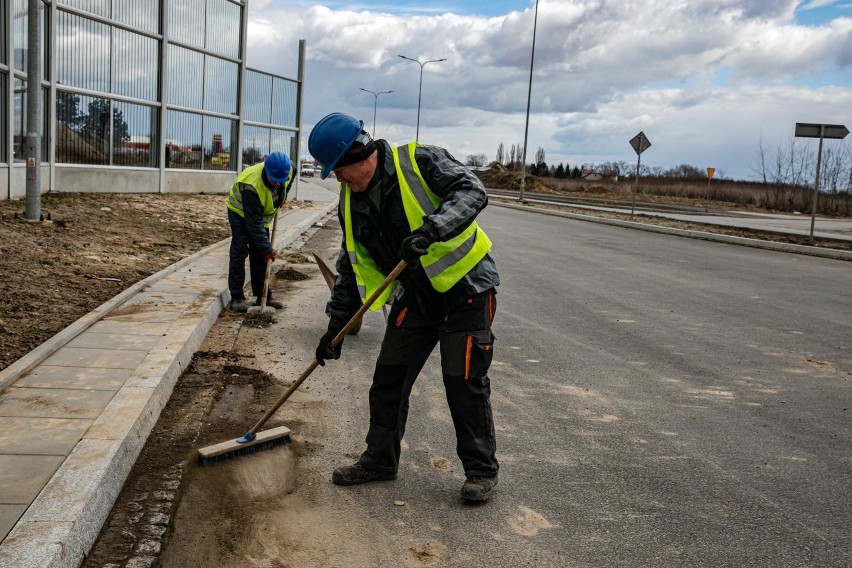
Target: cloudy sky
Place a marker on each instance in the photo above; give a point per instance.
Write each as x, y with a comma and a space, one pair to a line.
706, 80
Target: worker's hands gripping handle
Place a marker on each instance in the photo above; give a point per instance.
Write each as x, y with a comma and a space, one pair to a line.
325, 349
417, 243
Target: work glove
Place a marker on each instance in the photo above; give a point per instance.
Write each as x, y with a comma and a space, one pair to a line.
417, 244
324, 349
269, 257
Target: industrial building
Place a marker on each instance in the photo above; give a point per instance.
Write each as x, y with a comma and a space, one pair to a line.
143, 96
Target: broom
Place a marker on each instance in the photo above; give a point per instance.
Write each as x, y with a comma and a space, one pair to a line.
261, 315
254, 441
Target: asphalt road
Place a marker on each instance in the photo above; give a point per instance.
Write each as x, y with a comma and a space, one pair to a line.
659, 401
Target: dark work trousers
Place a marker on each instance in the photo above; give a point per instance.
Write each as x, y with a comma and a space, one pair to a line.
466, 351
242, 247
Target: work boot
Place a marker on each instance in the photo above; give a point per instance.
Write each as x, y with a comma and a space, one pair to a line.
356, 474
271, 304
238, 305
478, 488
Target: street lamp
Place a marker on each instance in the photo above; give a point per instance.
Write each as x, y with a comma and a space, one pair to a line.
375, 104
420, 92
529, 100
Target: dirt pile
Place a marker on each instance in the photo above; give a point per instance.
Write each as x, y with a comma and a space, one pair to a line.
94, 247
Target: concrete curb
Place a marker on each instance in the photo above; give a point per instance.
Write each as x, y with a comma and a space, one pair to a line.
727, 239
62, 523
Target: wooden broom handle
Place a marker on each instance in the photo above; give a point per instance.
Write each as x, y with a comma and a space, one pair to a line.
334, 342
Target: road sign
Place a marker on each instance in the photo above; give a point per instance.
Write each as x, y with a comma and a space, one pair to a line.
821, 131
710, 172
808, 130
640, 143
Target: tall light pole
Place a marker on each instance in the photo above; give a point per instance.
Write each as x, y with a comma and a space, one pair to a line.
420, 92
529, 99
375, 104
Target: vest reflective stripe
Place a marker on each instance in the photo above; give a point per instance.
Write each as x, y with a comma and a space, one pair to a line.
253, 176
367, 273
448, 261
407, 169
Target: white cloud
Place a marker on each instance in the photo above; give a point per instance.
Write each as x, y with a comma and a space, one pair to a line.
704, 79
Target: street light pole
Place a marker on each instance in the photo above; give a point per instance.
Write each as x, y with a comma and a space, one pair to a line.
527, 123
420, 92
375, 104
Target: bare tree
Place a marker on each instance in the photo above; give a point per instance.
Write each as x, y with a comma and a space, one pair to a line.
476, 159
758, 163
501, 153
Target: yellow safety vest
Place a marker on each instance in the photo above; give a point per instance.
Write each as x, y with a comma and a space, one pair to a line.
445, 263
253, 176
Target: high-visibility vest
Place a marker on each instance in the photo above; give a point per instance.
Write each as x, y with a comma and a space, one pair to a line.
253, 176
445, 263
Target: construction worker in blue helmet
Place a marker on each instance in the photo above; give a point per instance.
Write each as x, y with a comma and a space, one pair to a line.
417, 203
253, 202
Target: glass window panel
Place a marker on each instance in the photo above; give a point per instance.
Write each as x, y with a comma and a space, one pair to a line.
82, 48
83, 129
97, 7
183, 140
19, 112
186, 21
19, 33
218, 152
4, 58
3, 116
20, 21
220, 85
284, 94
255, 144
284, 141
223, 27
258, 97
136, 60
142, 14
186, 68
134, 138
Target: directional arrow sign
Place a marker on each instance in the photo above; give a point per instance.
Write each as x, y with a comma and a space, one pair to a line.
640, 143
808, 130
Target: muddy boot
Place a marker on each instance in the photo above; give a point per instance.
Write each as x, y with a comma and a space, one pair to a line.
356, 474
238, 305
478, 488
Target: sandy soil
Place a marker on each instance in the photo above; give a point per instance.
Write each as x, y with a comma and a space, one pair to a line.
94, 247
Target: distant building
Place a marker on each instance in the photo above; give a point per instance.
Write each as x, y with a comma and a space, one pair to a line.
141, 96
592, 175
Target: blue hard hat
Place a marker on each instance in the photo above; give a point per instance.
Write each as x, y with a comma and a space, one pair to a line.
277, 167
332, 137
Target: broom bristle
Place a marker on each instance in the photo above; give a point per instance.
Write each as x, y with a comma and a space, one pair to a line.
250, 443
263, 446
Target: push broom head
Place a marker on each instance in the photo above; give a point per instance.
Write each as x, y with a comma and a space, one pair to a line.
248, 444
258, 316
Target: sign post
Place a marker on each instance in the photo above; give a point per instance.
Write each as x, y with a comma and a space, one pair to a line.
710, 172
821, 131
640, 143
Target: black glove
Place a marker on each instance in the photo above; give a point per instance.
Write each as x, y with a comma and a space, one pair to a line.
324, 349
417, 244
